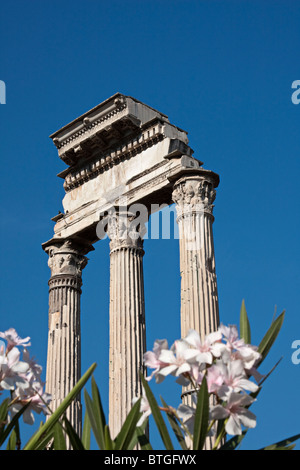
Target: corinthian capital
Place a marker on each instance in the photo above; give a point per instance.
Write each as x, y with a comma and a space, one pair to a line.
194, 194
124, 231
67, 257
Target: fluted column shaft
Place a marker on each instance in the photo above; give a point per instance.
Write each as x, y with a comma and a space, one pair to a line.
66, 261
127, 318
194, 198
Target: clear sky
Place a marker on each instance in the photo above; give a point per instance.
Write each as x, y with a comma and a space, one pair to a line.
223, 71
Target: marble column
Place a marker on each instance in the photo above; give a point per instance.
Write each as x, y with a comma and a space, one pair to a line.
66, 261
194, 197
127, 317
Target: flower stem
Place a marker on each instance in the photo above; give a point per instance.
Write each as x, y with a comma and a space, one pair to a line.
220, 437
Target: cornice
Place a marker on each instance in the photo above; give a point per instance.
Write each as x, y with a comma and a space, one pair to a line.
102, 161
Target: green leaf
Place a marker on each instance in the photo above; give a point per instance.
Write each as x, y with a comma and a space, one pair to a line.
53, 419
109, 444
12, 441
86, 432
3, 418
75, 440
12, 424
142, 439
283, 445
98, 410
161, 426
233, 442
59, 437
201, 417
96, 414
3, 412
175, 427
127, 431
245, 332
92, 414
270, 337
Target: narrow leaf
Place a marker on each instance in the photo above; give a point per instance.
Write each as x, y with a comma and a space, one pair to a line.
12, 441
142, 440
175, 427
161, 426
33, 442
283, 445
127, 431
12, 424
86, 432
245, 332
271, 335
109, 444
3, 412
98, 433
59, 437
75, 440
233, 442
99, 415
201, 417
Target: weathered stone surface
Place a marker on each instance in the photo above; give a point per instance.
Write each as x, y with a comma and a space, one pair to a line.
66, 260
120, 148
127, 319
120, 153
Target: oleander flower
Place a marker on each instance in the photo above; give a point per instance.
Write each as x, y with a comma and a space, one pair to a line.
236, 348
176, 359
13, 339
236, 413
145, 408
206, 350
37, 400
151, 359
234, 379
12, 370
186, 414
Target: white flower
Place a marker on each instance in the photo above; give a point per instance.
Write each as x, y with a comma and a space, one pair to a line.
237, 349
234, 379
236, 412
36, 397
176, 359
204, 352
151, 359
186, 414
12, 370
13, 339
145, 408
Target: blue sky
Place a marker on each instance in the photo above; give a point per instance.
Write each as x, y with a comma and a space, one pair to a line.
223, 71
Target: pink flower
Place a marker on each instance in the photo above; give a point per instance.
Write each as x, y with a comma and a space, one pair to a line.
13, 339
12, 370
145, 408
215, 378
176, 359
234, 379
204, 352
236, 413
231, 335
237, 349
36, 397
151, 359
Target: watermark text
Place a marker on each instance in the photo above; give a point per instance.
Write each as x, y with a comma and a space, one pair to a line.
296, 94
2, 92
296, 353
